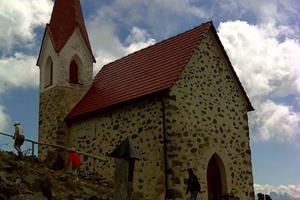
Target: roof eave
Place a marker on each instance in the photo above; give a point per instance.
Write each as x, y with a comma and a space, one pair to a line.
47, 29
70, 119
86, 40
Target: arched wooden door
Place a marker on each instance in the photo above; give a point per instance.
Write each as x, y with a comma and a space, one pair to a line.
214, 184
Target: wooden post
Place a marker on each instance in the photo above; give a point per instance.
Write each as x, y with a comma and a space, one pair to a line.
121, 186
125, 156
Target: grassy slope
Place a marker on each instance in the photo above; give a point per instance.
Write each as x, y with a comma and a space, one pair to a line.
30, 179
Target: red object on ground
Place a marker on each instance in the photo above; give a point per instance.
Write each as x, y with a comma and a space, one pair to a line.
74, 158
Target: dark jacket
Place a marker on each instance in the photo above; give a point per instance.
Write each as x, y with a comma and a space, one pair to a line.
268, 197
193, 184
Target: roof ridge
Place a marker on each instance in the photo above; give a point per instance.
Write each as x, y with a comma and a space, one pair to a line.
165, 40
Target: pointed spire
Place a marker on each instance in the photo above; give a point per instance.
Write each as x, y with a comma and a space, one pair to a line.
66, 16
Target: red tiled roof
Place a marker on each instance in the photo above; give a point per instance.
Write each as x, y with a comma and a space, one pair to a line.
66, 16
147, 71
144, 72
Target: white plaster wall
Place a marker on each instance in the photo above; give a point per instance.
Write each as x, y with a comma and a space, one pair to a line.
46, 52
75, 47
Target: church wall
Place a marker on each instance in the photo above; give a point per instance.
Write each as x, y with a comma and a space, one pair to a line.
61, 61
47, 51
206, 114
75, 47
55, 103
141, 121
57, 100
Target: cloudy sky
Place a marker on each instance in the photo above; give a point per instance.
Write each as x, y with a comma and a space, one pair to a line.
262, 39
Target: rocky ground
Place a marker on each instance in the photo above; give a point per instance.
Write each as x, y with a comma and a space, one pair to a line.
30, 179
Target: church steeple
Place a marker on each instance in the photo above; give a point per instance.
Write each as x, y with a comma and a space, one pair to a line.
66, 70
66, 16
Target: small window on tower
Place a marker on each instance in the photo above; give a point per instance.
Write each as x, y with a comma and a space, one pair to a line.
73, 72
49, 73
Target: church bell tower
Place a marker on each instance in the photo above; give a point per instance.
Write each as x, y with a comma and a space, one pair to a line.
66, 70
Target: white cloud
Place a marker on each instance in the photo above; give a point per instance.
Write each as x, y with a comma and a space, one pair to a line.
138, 39
292, 190
267, 63
18, 20
268, 11
273, 11
3, 119
275, 121
160, 17
182, 7
18, 70
108, 47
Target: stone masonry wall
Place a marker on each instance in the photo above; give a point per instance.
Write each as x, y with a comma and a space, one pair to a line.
55, 103
206, 114
141, 121
57, 99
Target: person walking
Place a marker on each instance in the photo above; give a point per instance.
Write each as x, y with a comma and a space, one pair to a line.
19, 138
261, 196
193, 185
74, 160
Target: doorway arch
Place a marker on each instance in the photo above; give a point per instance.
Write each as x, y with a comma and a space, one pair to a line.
216, 178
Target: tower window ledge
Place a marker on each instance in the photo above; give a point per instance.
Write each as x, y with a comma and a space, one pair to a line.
47, 86
77, 84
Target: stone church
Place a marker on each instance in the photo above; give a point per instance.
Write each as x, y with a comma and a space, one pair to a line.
179, 101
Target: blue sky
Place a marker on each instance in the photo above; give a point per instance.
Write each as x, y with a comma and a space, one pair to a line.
260, 37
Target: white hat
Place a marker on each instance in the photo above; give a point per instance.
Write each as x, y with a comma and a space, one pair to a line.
73, 149
17, 123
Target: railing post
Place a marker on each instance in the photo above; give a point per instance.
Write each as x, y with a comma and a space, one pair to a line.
32, 149
94, 165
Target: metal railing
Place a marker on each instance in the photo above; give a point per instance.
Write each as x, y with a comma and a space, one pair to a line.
32, 142
94, 157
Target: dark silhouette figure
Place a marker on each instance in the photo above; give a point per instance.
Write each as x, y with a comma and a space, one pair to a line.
59, 162
263, 196
46, 189
193, 185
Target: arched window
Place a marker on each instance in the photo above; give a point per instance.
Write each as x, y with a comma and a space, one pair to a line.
49, 73
73, 72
